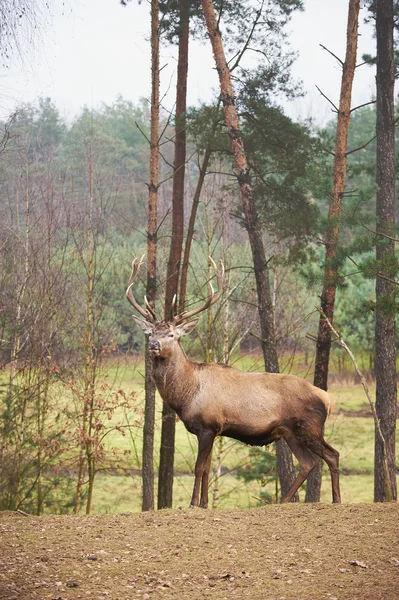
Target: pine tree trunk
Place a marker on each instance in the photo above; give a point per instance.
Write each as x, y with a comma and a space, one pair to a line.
385, 360
149, 408
335, 210
167, 452
285, 464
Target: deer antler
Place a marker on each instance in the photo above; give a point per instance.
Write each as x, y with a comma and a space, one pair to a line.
212, 299
149, 313
149, 308
173, 307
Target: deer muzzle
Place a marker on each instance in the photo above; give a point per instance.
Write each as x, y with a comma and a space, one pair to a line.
154, 347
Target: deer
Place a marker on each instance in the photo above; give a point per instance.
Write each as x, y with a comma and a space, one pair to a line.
214, 399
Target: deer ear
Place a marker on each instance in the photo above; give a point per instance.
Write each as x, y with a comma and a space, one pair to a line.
186, 328
145, 326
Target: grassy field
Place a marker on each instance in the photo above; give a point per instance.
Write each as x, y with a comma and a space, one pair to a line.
350, 429
118, 483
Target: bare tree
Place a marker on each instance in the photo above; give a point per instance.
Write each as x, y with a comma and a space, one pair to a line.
30, 317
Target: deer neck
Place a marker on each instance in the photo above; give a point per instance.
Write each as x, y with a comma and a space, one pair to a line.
175, 379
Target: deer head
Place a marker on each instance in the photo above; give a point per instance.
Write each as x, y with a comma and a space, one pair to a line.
163, 334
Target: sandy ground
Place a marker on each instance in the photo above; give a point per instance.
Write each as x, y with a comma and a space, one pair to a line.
275, 553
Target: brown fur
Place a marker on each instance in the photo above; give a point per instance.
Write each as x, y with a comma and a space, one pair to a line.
256, 408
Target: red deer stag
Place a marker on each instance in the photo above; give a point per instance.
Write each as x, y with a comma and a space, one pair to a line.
215, 399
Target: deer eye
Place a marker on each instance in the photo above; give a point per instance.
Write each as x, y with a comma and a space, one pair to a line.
171, 335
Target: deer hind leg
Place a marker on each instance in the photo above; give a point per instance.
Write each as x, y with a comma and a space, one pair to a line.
205, 482
205, 444
331, 456
306, 461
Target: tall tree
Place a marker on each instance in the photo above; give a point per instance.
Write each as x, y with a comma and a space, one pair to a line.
149, 410
334, 214
166, 459
385, 334
265, 305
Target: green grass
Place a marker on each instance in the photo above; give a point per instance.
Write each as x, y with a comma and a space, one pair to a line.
118, 484
352, 435
114, 494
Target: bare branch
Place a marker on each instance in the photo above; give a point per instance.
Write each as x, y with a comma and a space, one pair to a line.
163, 219
328, 99
309, 336
361, 147
380, 233
165, 128
250, 35
341, 62
393, 281
142, 133
373, 138
167, 163
361, 105
365, 62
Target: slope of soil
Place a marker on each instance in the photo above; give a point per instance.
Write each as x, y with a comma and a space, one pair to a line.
299, 552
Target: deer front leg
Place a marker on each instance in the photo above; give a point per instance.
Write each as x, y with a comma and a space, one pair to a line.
205, 444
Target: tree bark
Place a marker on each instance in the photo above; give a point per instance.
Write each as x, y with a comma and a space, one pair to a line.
385, 359
166, 459
285, 464
149, 409
335, 210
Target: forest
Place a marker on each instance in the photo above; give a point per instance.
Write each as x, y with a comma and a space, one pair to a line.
81, 198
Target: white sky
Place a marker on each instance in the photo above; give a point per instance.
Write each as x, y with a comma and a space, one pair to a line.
89, 51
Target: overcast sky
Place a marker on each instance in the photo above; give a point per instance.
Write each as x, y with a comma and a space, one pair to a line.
89, 51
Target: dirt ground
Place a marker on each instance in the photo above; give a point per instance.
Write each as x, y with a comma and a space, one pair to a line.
299, 552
